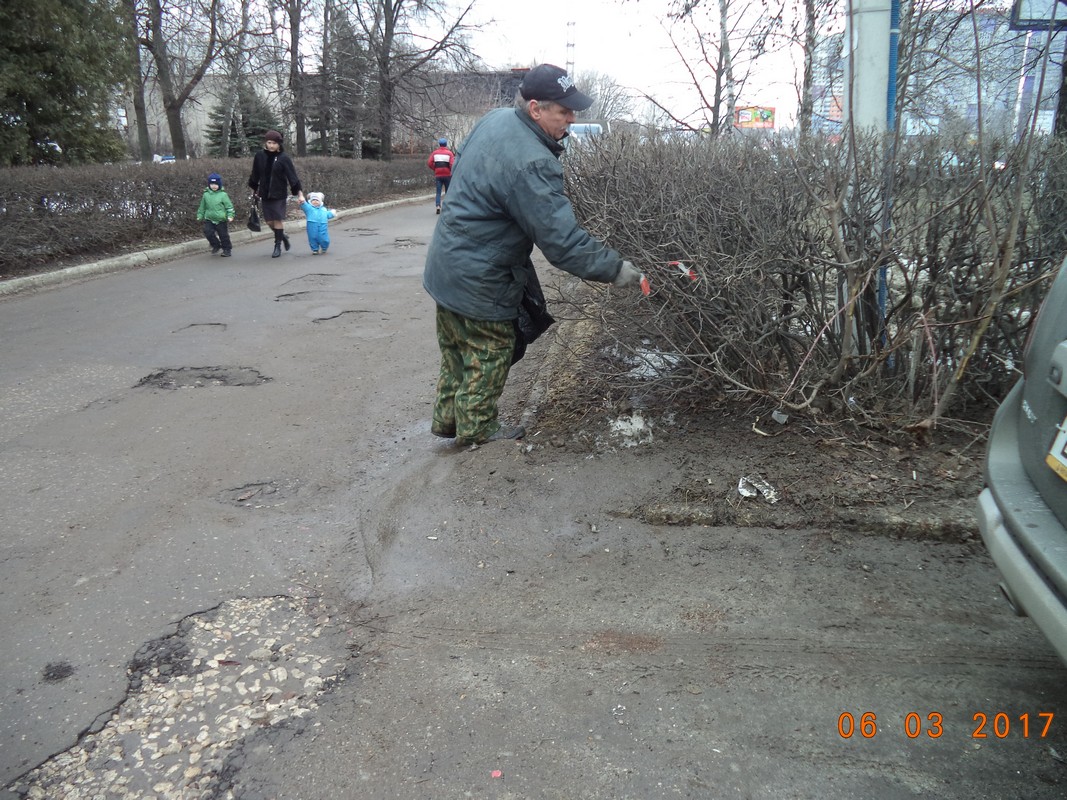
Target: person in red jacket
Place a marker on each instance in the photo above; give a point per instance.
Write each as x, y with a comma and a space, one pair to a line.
441, 161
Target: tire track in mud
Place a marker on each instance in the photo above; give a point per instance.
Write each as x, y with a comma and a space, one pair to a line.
799, 660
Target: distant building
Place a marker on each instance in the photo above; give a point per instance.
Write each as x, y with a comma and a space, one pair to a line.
941, 95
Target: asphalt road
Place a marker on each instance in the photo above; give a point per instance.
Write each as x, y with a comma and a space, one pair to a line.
234, 563
134, 496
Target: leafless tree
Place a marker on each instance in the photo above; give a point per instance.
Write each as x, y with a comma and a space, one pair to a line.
184, 42
400, 48
729, 39
236, 56
611, 101
135, 84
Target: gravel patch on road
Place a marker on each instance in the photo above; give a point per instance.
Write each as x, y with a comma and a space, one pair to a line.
194, 698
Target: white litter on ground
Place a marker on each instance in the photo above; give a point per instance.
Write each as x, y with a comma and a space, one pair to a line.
753, 485
647, 362
633, 430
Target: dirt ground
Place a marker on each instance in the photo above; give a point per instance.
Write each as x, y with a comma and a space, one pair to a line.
823, 471
594, 612
816, 471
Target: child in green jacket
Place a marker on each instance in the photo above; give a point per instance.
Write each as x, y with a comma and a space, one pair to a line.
215, 212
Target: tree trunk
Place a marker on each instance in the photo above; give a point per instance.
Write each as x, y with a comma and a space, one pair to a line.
386, 87
326, 93
296, 77
807, 102
285, 99
727, 63
234, 115
136, 81
174, 100
1060, 126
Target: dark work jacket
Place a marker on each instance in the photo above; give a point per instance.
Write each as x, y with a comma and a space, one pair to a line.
506, 196
282, 176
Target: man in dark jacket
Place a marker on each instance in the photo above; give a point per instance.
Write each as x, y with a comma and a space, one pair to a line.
273, 176
505, 197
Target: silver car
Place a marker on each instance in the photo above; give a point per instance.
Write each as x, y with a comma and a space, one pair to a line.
1022, 513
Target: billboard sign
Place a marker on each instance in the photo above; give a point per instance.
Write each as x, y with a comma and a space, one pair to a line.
754, 117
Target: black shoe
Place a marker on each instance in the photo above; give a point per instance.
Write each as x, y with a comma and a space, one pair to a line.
277, 250
507, 433
215, 249
285, 241
439, 209
500, 435
225, 253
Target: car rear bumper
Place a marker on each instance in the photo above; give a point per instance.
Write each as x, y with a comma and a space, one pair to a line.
1027, 585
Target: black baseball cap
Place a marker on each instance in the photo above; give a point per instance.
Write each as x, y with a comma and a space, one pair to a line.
549, 82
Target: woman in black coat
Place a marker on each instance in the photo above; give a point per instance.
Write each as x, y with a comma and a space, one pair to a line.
273, 177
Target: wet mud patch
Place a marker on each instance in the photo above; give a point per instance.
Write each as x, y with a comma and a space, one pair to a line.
733, 465
198, 377
57, 671
615, 643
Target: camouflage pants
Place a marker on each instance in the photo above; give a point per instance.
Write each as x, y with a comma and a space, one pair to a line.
475, 359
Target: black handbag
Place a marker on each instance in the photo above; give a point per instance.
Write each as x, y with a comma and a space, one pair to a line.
253, 217
533, 319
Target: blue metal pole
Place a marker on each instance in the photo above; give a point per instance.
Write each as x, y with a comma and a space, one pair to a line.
891, 117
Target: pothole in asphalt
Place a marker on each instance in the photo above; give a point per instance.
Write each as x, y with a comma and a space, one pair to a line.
220, 326
327, 314
260, 494
196, 697
314, 294
403, 242
314, 277
197, 377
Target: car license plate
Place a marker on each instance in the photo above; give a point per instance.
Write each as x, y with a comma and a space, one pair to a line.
1057, 456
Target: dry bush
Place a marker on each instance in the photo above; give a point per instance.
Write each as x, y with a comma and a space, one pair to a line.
790, 242
51, 215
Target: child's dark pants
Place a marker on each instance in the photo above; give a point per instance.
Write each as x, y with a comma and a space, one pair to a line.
217, 235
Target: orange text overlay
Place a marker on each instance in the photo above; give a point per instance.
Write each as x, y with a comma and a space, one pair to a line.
932, 725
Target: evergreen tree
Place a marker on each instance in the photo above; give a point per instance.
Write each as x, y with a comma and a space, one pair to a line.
256, 119
60, 66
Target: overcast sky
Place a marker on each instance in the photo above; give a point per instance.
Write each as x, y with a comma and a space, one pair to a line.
626, 41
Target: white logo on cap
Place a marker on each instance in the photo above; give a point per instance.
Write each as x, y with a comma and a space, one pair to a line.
565, 82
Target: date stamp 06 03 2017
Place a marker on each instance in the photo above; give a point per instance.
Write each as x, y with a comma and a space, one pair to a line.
998, 725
